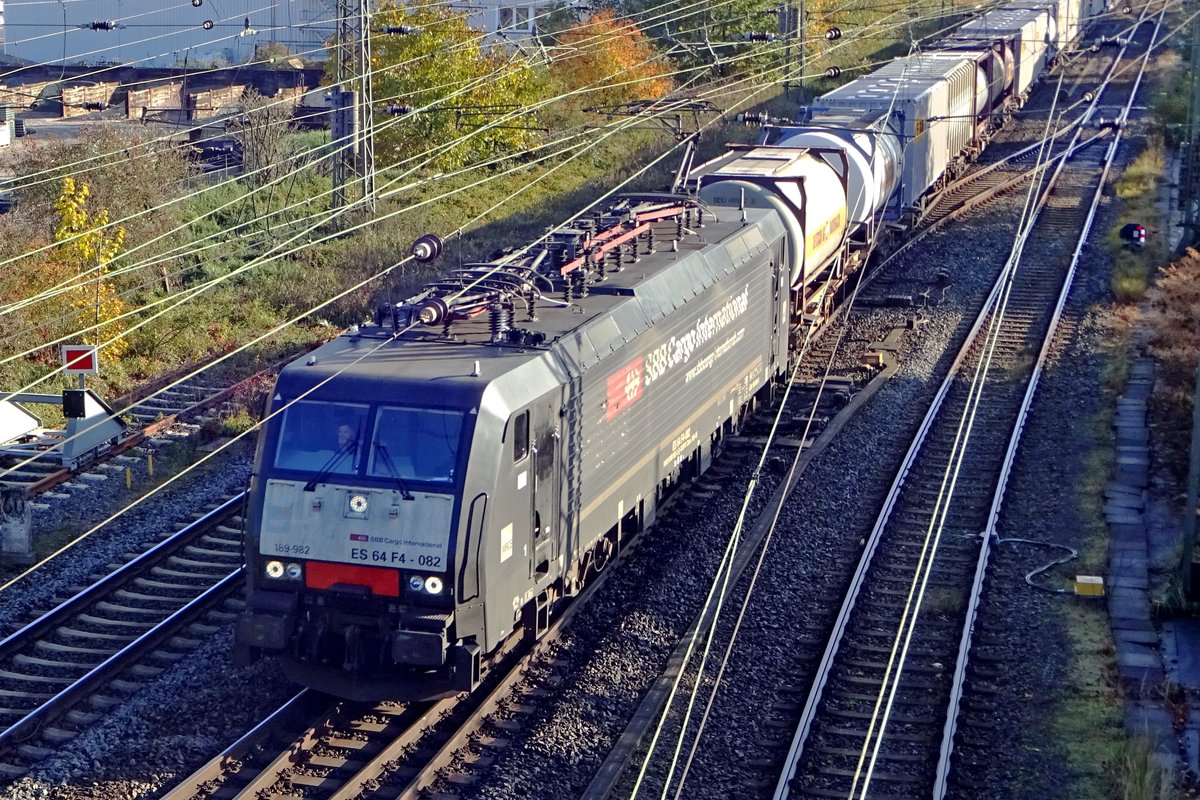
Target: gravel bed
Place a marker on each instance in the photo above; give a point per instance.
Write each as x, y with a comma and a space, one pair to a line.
145, 523
173, 725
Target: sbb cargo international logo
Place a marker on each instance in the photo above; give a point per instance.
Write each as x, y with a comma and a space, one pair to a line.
625, 387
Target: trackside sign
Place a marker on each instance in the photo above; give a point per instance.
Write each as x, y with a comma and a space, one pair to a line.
80, 359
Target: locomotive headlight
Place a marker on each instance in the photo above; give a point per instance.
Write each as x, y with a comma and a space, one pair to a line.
433, 584
274, 569
294, 571
416, 583
358, 503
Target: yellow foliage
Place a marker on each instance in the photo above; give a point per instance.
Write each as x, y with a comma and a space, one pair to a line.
612, 59
89, 246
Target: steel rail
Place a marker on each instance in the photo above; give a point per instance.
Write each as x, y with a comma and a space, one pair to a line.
941, 781
119, 661
218, 767
825, 669
604, 782
119, 577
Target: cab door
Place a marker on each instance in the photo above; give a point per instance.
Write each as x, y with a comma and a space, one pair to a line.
516, 541
544, 503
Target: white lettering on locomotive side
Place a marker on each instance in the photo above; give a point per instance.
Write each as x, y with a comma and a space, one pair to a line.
721, 349
679, 349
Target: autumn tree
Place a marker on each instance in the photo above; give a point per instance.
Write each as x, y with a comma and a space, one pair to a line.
455, 84
611, 59
89, 246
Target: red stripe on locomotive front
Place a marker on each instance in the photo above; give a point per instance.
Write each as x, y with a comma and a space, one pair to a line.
381, 581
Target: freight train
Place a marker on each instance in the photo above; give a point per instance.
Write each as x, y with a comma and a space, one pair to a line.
430, 483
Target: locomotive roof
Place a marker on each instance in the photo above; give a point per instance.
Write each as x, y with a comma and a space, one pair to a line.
436, 370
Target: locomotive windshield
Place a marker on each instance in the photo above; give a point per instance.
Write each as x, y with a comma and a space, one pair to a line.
417, 444
322, 437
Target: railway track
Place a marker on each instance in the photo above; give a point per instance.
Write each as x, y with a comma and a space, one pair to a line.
176, 410
346, 750
65, 669
926, 708
882, 715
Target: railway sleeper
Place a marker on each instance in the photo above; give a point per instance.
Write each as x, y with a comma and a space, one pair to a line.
210, 553
204, 567
918, 682
26, 660
891, 777
119, 639
141, 597
119, 624
82, 719
163, 572
74, 649
848, 752
16, 678
859, 734
152, 614
898, 717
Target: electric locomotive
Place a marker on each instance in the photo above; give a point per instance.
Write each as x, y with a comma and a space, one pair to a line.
428, 483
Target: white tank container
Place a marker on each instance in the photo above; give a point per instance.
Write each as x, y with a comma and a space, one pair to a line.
873, 153
807, 192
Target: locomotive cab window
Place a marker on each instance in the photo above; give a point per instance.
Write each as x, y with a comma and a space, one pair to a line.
520, 436
322, 437
416, 444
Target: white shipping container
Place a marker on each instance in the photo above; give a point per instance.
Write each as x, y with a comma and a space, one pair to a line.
931, 99
164, 33
1028, 33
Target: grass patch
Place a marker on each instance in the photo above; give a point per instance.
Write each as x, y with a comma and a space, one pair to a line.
1138, 772
1089, 718
1137, 189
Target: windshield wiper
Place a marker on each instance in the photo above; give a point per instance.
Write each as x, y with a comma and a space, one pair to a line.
381, 448
330, 466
